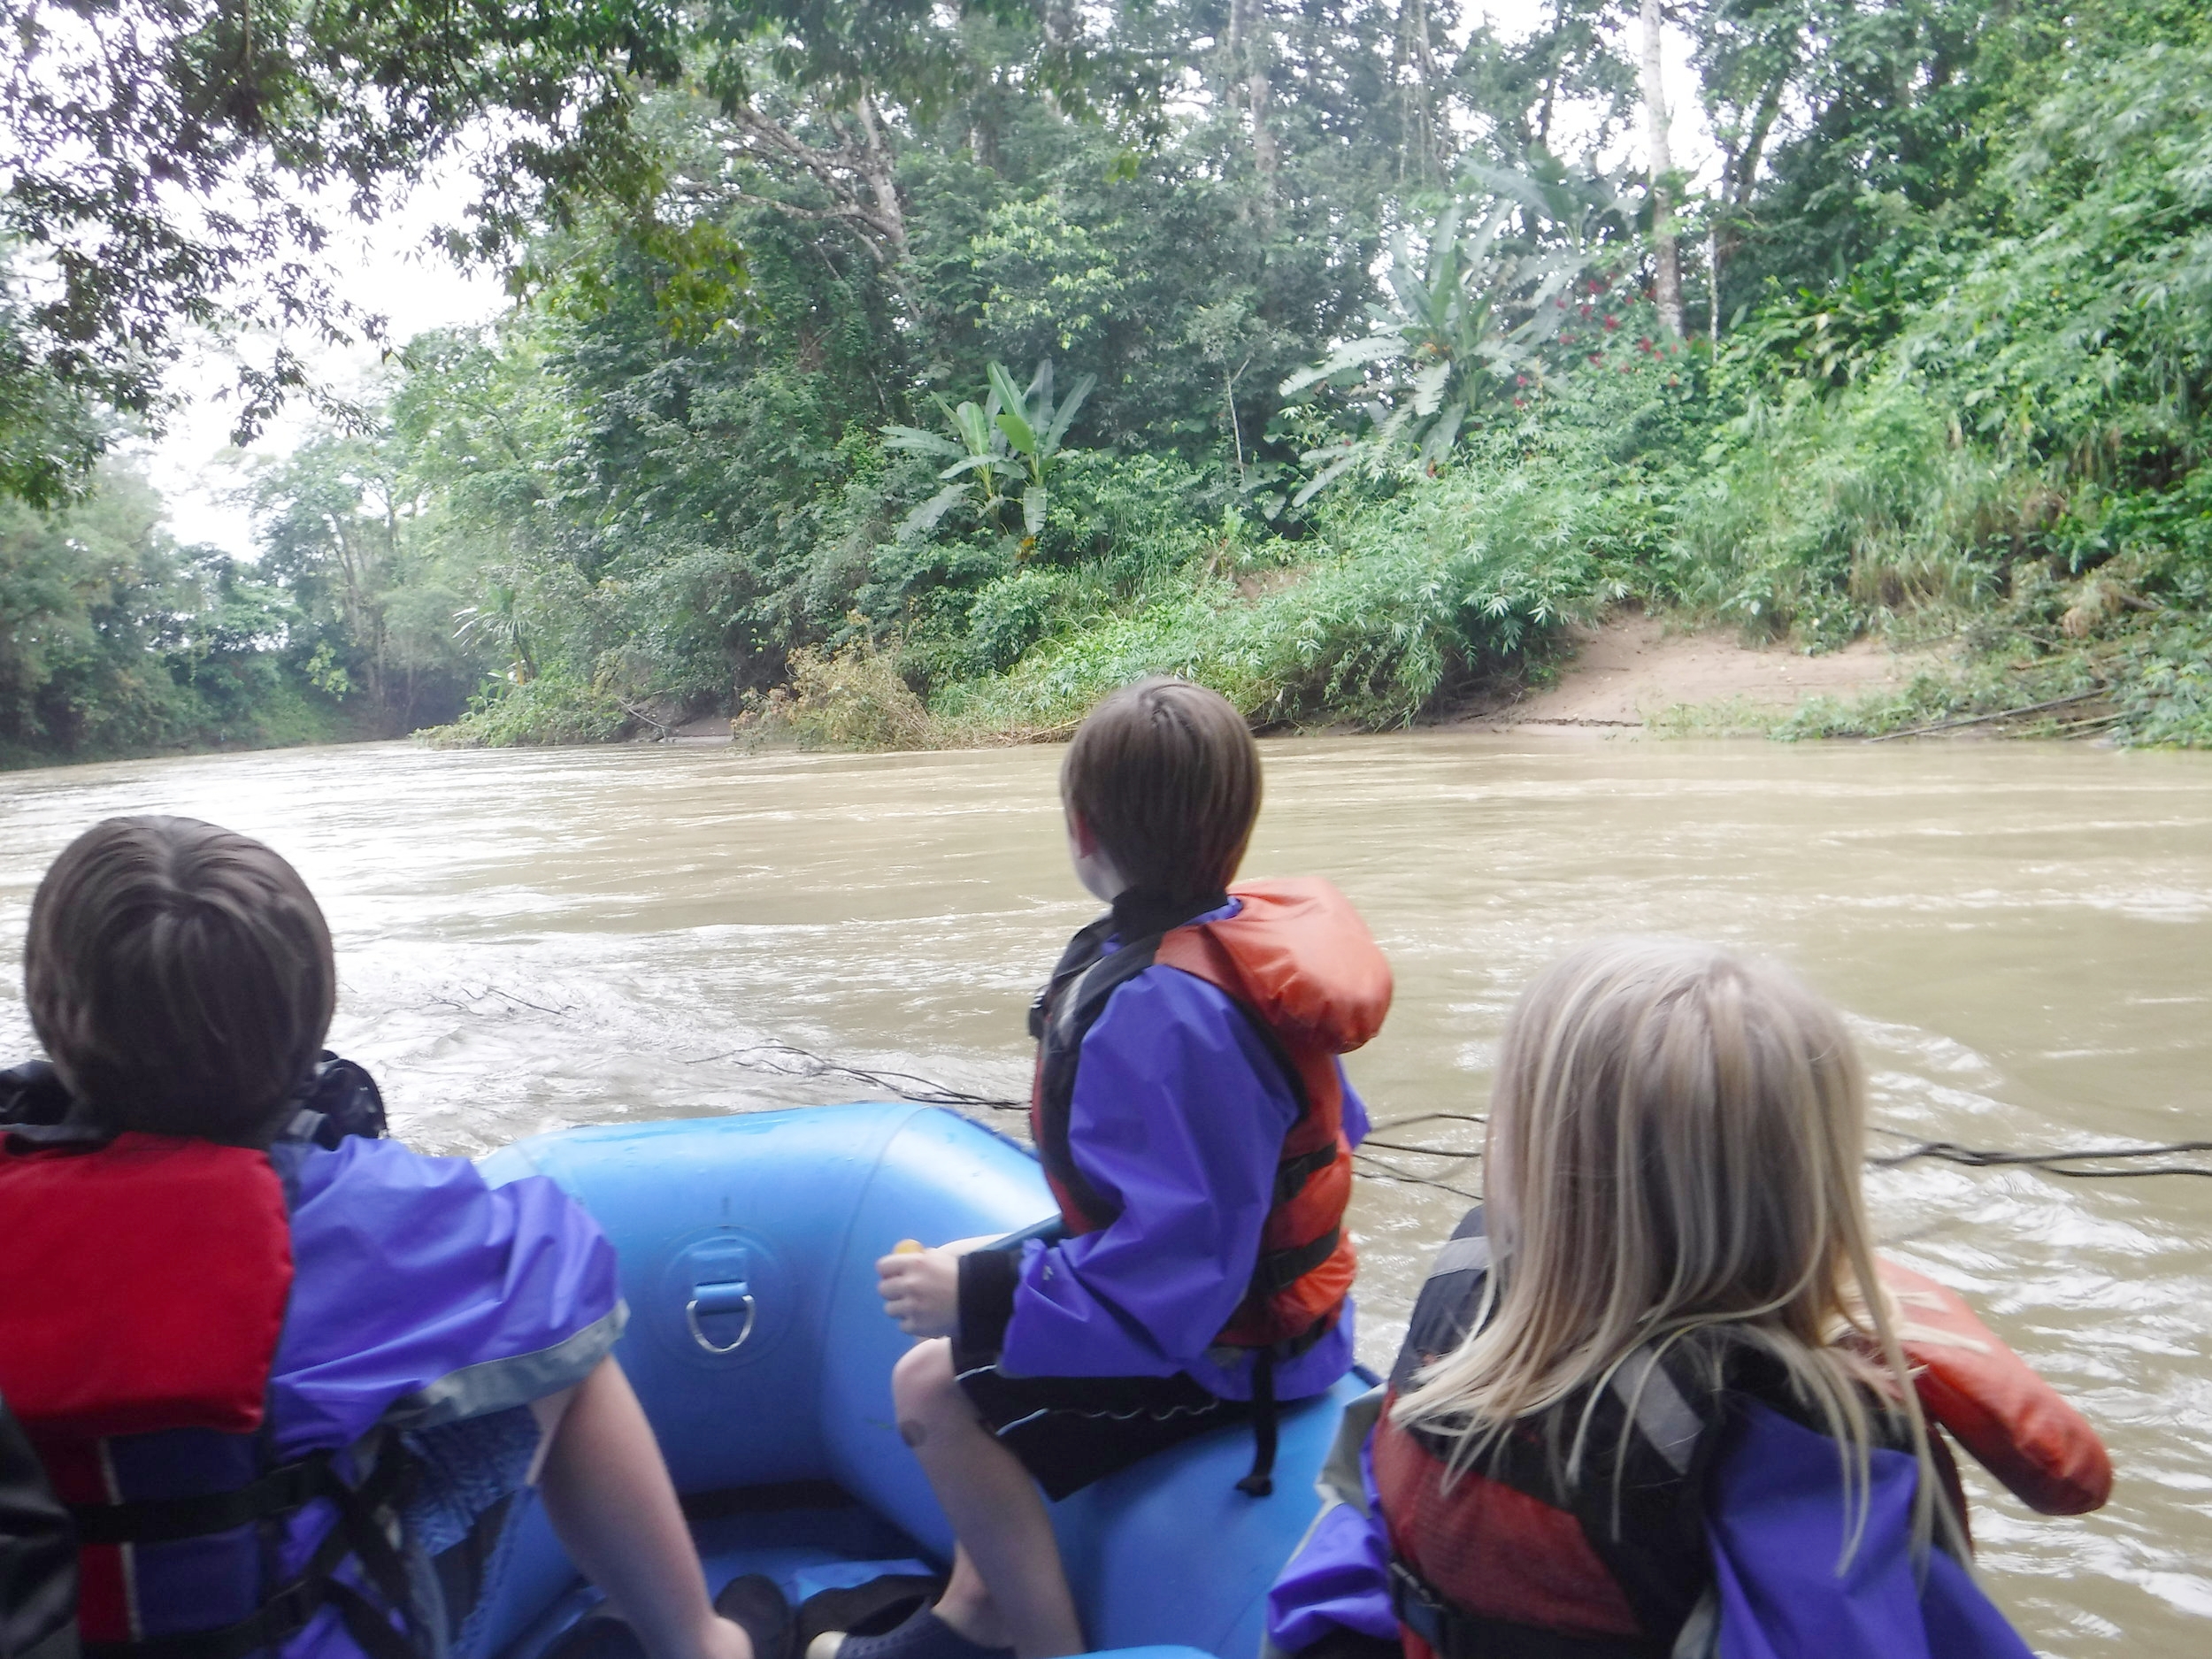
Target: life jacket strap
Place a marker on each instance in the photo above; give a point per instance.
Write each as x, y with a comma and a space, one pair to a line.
283, 1489
358, 1535
1260, 1482
1291, 1174
1278, 1269
1452, 1633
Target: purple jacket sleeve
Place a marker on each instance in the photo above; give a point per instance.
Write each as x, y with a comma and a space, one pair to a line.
1340, 1576
1179, 1115
421, 1295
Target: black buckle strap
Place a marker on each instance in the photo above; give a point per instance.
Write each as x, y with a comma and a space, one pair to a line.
358, 1532
282, 1617
1291, 1174
1278, 1269
1450, 1631
166, 1520
1260, 1482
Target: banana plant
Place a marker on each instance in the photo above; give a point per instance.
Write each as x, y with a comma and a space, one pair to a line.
1470, 323
1008, 444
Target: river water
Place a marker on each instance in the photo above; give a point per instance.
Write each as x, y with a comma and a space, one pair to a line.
2023, 935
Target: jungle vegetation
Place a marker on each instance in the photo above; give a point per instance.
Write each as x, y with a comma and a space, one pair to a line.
901, 375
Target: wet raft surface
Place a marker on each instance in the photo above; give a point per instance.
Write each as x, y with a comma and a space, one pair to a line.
2024, 935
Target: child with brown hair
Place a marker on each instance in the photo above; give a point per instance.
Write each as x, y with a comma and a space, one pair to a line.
1196, 1128
290, 1380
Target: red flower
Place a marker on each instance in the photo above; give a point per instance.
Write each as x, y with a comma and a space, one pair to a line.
1611, 322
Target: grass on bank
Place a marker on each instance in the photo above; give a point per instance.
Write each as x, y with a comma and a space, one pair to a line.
1807, 522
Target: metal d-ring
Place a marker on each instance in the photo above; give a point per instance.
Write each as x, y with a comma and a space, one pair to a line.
691, 1319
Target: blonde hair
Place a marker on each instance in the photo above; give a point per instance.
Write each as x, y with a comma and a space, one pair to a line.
1674, 1148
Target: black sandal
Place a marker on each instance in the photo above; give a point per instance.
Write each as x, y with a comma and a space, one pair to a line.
757, 1606
922, 1636
874, 1609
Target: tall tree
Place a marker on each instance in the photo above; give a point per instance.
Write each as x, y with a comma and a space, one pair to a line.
180, 164
1659, 161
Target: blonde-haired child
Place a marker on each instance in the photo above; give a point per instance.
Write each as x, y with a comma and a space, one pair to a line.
1659, 1385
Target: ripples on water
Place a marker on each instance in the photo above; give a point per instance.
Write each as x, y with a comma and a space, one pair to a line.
2023, 935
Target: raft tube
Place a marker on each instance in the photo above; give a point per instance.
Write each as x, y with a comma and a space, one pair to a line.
760, 1349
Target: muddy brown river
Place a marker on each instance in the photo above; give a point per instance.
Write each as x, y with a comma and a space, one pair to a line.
2023, 935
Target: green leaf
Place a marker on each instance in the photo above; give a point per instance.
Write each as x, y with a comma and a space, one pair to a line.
923, 518
1018, 433
1005, 394
1081, 390
920, 442
1374, 348
1033, 509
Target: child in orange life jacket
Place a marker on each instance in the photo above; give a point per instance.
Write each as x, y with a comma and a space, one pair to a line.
1196, 1127
326, 1365
1658, 1385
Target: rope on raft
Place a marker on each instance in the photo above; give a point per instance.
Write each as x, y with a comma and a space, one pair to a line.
2050, 1163
784, 1059
788, 1060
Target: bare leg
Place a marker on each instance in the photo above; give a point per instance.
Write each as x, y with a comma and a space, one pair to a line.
607, 1495
1008, 1589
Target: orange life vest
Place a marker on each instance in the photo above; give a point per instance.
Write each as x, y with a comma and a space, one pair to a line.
1297, 960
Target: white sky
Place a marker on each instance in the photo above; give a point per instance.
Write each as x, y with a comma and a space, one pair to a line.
386, 268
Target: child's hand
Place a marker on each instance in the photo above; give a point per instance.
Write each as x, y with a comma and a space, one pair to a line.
921, 1289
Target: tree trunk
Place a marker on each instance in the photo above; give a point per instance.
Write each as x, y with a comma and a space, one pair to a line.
1249, 51
1665, 257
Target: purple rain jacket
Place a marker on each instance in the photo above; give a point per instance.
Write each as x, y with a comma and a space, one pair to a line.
1179, 1115
427, 1302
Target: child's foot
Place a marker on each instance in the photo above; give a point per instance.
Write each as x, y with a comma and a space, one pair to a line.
758, 1607
924, 1636
873, 1608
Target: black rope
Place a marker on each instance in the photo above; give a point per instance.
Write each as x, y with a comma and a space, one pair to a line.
2050, 1163
784, 1059
1383, 1170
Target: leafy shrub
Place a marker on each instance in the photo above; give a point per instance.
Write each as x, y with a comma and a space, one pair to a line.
1013, 613
1822, 514
553, 710
855, 700
1406, 601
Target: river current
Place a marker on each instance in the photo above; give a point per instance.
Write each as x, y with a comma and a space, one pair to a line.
2021, 934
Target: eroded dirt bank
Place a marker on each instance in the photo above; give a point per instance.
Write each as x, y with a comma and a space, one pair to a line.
1632, 672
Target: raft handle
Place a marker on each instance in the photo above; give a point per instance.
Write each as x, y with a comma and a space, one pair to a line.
720, 1299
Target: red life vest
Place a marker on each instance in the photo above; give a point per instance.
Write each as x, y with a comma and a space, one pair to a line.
1503, 1557
146, 1293
1299, 962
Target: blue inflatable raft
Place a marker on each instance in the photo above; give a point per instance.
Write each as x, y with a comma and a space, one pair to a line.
761, 1351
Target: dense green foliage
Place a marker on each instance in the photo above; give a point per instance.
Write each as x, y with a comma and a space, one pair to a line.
1382, 394
115, 641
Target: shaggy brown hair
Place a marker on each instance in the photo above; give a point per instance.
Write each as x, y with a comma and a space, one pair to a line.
1165, 776
180, 977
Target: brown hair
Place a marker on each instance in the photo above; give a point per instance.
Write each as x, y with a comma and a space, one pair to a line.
180, 976
1166, 777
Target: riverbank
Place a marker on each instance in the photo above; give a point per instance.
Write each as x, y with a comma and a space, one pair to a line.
1634, 672
1630, 673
